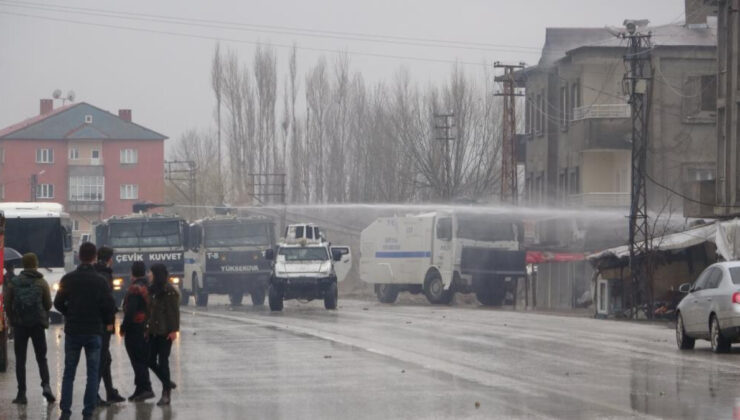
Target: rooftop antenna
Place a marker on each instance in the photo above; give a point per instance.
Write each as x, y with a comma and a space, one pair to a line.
70, 96
57, 94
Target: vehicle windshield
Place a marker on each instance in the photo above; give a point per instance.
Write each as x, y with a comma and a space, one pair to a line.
237, 234
151, 233
46, 237
484, 228
315, 253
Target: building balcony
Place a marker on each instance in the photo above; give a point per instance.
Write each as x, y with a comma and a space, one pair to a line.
84, 206
600, 200
601, 111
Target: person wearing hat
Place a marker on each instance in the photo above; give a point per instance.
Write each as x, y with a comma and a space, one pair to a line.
27, 301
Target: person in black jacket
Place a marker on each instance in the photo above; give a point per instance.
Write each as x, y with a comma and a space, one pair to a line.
88, 307
134, 330
103, 267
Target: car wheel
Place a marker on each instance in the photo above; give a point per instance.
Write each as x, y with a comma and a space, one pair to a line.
184, 297
235, 298
258, 296
434, 289
331, 297
387, 293
720, 344
275, 298
683, 341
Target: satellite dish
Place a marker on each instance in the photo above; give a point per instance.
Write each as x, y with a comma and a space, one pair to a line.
57, 94
71, 96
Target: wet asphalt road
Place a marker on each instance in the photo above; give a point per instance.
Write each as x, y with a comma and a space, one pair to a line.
374, 361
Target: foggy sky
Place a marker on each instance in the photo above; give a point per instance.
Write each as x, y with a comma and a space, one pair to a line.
164, 79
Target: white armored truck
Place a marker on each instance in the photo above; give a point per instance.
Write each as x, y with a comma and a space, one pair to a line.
226, 256
440, 253
306, 266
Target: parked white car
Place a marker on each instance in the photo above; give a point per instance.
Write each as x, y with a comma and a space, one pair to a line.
711, 309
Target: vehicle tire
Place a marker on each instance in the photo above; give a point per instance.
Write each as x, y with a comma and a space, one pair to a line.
683, 341
275, 298
184, 297
720, 344
331, 297
4, 350
201, 296
236, 298
434, 290
258, 296
387, 293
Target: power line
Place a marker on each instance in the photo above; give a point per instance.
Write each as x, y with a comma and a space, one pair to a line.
242, 41
374, 38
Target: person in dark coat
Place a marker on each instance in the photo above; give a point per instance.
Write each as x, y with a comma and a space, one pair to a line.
87, 305
134, 330
164, 325
27, 301
103, 267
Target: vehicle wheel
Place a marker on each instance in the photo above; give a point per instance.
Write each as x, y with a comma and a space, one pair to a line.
275, 298
683, 341
235, 298
434, 290
201, 296
184, 297
258, 296
3, 350
331, 297
387, 293
720, 344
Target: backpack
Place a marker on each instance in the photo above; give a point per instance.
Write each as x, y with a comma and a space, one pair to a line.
27, 303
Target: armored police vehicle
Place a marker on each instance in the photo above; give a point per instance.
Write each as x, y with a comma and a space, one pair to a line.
440, 253
151, 238
306, 266
226, 256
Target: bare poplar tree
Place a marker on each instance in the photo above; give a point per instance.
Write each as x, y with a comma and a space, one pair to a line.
216, 85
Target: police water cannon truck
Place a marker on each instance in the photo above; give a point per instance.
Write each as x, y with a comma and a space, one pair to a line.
440, 253
226, 256
306, 266
150, 238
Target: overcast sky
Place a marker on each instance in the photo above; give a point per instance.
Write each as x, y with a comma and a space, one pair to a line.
164, 78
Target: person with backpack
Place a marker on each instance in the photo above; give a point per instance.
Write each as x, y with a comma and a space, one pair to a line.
136, 311
164, 325
103, 267
87, 305
27, 301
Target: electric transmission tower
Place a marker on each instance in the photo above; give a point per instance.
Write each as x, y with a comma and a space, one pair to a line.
637, 80
443, 125
509, 172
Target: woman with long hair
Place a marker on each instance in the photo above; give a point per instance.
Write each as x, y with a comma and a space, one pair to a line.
164, 325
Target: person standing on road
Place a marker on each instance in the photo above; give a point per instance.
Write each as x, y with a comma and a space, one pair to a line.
87, 306
103, 267
27, 301
163, 327
136, 310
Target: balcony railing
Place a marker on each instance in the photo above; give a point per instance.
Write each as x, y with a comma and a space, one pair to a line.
601, 111
600, 199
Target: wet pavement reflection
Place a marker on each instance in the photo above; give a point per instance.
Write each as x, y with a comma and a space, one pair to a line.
368, 360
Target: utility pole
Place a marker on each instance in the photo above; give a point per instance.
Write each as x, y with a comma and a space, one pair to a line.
637, 80
443, 125
509, 171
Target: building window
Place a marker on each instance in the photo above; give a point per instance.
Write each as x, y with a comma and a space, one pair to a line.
562, 184
86, 188
2, 155
528, 115
75, 225
564, 110
44, 191
129, 192
699, 174
709, 93
699, 102
575, 97
74, 153
2, 191
575, 181
129, 156
88, 119
44, 155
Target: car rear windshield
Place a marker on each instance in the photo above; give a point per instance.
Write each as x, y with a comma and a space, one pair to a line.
735, 274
